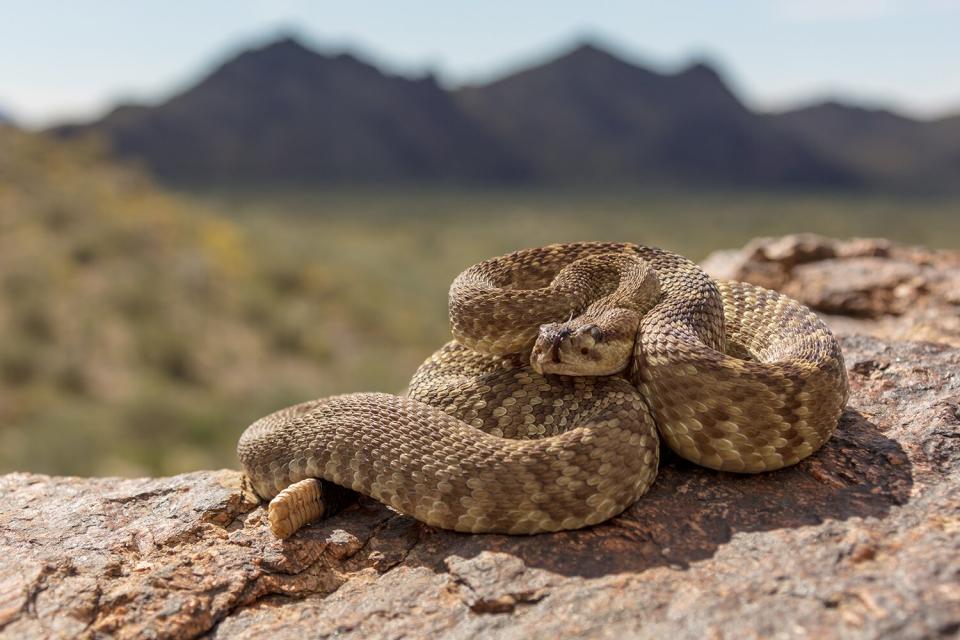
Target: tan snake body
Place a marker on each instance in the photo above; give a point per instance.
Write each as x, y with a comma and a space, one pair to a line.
732, 376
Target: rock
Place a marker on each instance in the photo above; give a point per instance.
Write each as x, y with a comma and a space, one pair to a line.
862, 285
862, 540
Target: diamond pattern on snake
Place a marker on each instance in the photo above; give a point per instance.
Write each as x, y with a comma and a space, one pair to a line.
568, 365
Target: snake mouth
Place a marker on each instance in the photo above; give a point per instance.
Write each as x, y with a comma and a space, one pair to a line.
545, 355
582, 350
554, 351
539, 357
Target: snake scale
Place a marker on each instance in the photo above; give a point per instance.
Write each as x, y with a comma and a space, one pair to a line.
569, 363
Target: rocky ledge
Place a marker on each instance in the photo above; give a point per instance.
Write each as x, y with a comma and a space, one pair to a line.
860, 541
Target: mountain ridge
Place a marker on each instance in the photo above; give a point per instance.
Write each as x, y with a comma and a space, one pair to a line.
229, 128
284, 113
892, 149
621, 122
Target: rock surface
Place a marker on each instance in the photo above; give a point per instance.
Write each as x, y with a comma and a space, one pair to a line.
865, 285
862, 540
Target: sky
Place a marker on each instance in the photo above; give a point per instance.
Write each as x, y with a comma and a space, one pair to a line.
62, 61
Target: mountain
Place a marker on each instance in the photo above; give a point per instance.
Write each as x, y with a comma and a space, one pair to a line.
588, 116
885, 148
286, 114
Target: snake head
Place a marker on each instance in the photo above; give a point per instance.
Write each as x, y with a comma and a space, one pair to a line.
586, 346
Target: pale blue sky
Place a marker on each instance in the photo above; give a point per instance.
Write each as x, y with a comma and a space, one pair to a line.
61, 60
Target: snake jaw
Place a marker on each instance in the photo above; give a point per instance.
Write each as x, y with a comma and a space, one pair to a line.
546, 355
574, 348
545, 351
599, 342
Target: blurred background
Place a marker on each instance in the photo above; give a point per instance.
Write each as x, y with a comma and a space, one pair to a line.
208, 212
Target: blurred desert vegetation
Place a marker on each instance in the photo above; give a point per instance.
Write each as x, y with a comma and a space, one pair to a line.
144, 329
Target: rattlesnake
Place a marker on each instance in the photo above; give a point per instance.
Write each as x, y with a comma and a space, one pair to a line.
544, 412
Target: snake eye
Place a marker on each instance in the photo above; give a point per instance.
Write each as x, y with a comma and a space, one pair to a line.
595, 332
